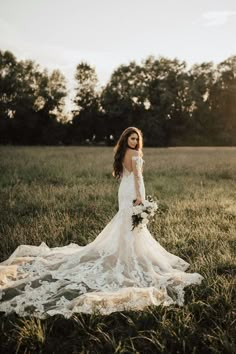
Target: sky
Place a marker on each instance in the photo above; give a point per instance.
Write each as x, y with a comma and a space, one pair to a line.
59, 34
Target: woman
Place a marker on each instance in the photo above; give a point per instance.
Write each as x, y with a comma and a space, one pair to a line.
121, 269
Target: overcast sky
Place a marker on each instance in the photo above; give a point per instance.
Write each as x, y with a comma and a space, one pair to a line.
107, 33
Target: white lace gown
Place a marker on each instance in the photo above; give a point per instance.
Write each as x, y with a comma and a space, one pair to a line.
120, 270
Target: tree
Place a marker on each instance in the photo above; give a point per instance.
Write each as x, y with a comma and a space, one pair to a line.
86, 116
170, 104
202, 125
123, 98
50, 106
30, 101
168, 94
223, 100
8, 76
18, 96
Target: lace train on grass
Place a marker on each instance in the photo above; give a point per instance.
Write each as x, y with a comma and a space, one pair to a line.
120, 270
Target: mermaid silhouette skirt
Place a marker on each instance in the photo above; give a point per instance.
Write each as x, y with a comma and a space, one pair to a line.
122, 269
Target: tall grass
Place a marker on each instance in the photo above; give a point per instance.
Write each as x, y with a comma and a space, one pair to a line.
67, 194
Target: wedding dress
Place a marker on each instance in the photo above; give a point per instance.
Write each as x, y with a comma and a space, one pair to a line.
122, 269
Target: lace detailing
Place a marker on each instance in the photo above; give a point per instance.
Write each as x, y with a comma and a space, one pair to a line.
121, 269
137, 171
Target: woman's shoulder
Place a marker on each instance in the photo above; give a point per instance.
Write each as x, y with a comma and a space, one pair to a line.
133, 154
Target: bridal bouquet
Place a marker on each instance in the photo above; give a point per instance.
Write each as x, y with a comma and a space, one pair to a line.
143, 212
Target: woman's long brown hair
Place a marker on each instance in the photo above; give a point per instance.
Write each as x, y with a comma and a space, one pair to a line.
120, 149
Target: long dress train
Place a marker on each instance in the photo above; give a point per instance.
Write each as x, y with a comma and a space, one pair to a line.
121, 269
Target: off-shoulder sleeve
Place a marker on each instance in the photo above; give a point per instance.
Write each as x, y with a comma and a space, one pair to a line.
137, 171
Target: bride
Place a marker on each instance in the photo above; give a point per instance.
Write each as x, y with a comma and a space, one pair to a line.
122, 269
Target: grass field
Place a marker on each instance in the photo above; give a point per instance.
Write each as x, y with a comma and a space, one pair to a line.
67, 194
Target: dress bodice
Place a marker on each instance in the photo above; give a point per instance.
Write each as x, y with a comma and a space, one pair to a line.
132, 184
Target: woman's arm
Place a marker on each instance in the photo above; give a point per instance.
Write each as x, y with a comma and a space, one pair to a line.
137, 172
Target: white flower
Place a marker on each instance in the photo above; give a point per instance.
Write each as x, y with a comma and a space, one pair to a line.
139, 208
143, 212
144, 221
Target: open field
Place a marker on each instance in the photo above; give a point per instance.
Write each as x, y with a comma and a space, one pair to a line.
67, 194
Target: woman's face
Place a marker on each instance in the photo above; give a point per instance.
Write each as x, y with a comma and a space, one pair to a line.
133, 140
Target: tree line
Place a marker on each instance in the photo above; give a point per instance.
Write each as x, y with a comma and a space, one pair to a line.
171, 103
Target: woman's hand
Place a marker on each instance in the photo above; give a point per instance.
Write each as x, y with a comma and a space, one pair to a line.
138, 201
